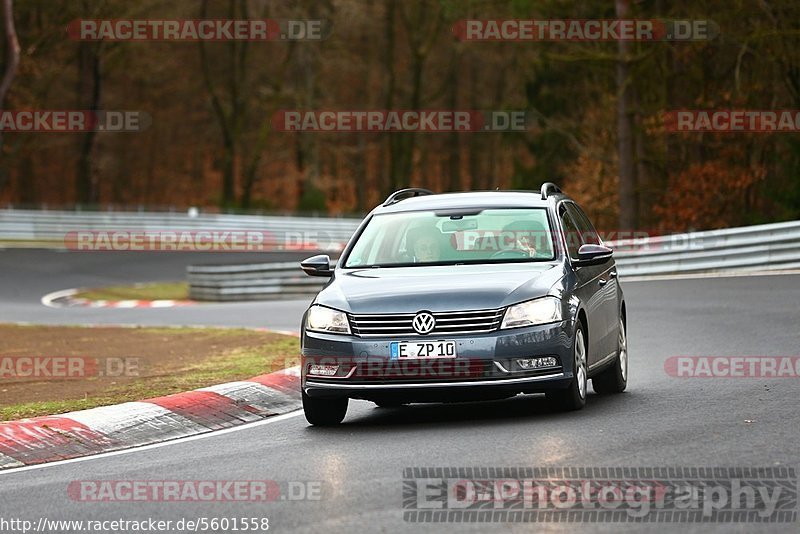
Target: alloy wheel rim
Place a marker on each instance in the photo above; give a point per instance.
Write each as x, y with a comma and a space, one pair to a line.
623, 351
580, 364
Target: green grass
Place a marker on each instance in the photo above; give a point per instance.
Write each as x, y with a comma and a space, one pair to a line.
231, 365
154, 291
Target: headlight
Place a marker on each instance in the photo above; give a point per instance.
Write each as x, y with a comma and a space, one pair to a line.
322, 319
540, 311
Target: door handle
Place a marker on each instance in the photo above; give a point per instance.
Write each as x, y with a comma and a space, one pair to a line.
602, 282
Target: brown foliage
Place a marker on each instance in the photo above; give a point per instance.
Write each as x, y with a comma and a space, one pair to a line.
708, 195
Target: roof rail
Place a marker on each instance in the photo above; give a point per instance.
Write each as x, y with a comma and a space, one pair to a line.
549, 187
406, 193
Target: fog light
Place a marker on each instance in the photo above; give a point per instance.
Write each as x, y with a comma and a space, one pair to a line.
537, 363
322, 370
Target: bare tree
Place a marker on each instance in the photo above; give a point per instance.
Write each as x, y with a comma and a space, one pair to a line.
12, 51
230, 113
627, 193
422, 29
12, 62
90, 84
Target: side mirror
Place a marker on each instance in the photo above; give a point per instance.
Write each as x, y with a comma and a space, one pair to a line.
593, 255
317, 265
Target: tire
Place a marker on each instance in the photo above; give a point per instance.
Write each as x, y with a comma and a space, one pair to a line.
615, 378
573, 397
324, 412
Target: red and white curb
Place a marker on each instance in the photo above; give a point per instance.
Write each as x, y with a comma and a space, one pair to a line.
66, 299
133, 424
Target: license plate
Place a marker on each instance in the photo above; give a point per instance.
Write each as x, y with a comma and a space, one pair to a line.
416, 350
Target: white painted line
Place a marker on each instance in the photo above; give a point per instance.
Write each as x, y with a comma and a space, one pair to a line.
177, 441
162, 303
51, 301
48, 299
9, 462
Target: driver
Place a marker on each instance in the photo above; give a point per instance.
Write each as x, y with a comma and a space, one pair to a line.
424, 244
524, 236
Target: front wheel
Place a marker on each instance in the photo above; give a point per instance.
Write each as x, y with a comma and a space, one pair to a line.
615, 378
324, 412
573, 397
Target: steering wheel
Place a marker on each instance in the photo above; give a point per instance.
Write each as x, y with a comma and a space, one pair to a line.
510, 254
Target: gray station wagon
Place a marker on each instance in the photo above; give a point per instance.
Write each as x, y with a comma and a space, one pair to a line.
465, 296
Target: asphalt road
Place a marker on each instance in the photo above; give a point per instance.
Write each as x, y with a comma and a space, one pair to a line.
26, 275
659, 421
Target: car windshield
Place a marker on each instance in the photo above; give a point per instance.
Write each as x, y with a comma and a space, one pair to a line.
430, 238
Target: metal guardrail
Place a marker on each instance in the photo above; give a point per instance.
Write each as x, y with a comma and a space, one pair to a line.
764, 247
258, 281
287, 232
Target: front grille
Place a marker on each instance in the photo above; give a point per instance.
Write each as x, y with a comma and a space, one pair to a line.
399, 324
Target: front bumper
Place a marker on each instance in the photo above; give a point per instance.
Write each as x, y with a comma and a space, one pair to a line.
485, 366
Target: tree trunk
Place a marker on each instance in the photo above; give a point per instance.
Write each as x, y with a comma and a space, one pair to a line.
421, 34
362, 179
476, 176
454, 156
390, 182
230, 122
12, 51
627, 187
87, 190
12, 62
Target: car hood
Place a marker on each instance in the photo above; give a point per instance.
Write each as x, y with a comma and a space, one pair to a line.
438, 288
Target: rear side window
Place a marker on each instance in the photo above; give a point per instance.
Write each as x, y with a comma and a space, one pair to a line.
588, 235
572, 234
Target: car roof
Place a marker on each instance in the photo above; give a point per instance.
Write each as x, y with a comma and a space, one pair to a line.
470, 200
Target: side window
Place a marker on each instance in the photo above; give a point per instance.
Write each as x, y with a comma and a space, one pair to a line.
588, 234
571, 232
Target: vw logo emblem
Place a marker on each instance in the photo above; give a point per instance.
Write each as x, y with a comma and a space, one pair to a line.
423, 322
